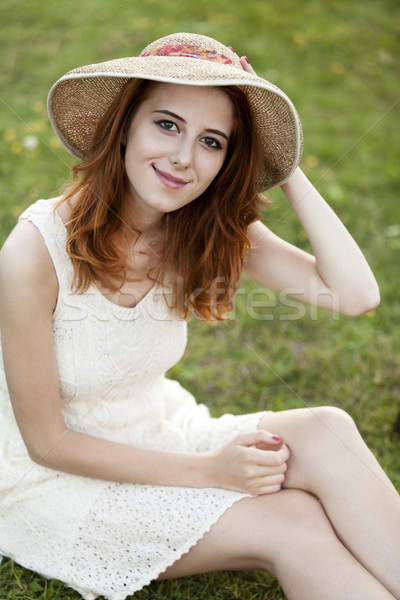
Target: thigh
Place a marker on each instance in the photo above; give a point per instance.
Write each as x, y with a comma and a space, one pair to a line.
316, 437
251, 534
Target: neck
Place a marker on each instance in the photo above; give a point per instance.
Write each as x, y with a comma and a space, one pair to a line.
143, 219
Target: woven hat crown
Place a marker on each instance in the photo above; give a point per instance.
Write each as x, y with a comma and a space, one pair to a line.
79, 99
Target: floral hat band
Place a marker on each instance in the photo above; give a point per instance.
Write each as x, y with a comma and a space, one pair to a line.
79, 99
190, 51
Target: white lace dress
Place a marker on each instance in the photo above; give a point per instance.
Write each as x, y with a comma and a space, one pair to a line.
100, 537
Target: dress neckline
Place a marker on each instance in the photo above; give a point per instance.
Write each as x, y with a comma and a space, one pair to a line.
95, 289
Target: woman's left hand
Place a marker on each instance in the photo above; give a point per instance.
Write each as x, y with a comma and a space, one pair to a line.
244, 61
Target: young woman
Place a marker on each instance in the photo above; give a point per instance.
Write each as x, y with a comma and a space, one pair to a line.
111, 475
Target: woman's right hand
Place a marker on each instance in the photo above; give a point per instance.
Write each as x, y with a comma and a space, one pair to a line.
254, 463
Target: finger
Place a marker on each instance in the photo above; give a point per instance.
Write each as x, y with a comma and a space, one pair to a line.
285, 452
271, 480
264, 446
282, 455
270, 489
261, 436
267, 485
244, 61
272, 458
263, 473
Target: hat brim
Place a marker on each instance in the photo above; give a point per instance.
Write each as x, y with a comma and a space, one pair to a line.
78, 100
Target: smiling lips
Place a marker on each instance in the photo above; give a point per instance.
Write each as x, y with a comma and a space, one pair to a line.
169, 180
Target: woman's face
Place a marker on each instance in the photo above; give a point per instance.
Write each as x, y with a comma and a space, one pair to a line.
176, 144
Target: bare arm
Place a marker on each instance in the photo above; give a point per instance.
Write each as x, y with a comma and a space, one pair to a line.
337, 276
28, 296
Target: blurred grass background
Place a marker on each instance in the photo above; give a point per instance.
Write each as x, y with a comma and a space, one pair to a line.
339, 62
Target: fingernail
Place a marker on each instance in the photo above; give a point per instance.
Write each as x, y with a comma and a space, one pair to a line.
276, 438
246, 59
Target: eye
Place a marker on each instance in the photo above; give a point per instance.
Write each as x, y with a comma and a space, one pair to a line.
212, 143
167, 125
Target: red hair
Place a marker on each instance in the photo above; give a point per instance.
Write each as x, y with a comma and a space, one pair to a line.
206, 239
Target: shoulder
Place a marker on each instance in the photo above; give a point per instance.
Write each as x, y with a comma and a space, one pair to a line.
26, 266
25, 251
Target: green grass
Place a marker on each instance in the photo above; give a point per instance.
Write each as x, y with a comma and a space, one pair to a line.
339, 62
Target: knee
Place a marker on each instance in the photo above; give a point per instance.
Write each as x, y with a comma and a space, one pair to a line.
298, 521
304, 525
332, 424
334, 415
302, 515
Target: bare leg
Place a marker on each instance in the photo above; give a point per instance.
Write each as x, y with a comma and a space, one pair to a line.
288, 534
330, 459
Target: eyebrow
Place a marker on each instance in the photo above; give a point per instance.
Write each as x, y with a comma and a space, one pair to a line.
182, 120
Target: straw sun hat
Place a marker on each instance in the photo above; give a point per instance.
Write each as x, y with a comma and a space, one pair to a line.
77, 101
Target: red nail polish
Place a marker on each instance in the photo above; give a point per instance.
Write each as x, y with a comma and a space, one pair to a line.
246, 59
276, 438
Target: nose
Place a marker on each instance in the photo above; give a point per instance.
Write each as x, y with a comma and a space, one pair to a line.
182, 153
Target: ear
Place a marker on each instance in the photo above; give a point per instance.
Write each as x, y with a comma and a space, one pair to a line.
124, 138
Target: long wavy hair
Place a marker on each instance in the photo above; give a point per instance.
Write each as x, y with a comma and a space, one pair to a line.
206, 240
